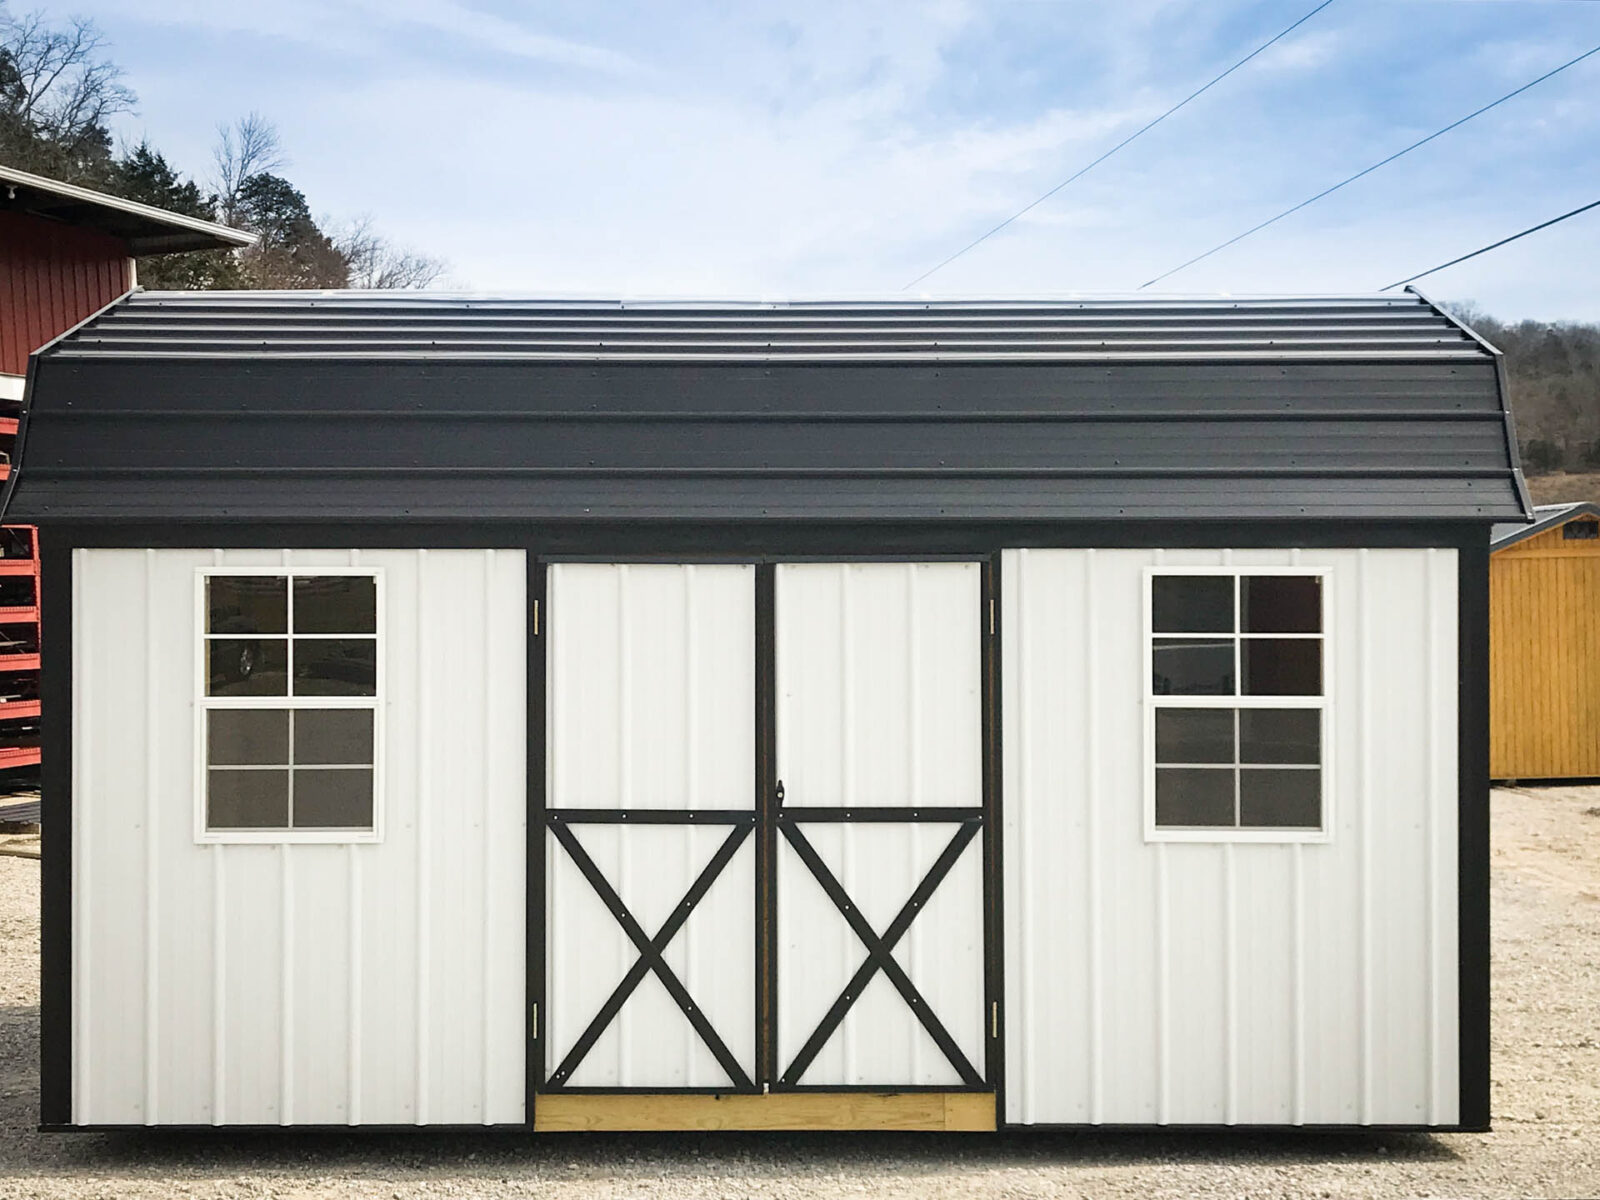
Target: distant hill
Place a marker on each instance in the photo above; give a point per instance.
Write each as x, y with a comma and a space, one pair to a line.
1554, 371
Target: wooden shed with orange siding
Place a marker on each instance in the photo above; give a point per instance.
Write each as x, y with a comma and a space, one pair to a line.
1544, 645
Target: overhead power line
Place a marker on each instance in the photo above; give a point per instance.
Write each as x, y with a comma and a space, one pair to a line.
1368, 171
1493, 245
1131, 137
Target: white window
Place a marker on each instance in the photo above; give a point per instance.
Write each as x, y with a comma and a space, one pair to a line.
289, 704
1236, 715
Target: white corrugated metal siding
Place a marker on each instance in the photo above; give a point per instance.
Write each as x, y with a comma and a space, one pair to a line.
1229, 983
379, 983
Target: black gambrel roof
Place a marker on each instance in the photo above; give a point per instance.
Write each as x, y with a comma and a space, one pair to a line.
343, 406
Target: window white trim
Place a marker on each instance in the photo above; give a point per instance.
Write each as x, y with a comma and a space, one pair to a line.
1154, 702
204, 704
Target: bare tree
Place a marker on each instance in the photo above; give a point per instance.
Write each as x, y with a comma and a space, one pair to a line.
376, 262
247, 147
58, 86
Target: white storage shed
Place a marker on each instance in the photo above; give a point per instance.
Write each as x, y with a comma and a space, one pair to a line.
545, 715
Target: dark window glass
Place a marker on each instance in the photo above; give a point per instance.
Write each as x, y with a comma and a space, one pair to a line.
1191, 604
1192, 667
335, 667
335, 604
1280, 799
247, 666
247, 799
246, 604
332, 735
1281, 604
237, 737
1280, 735
1583, 531
1194, 735
332, 799
1282, 666
1194, 796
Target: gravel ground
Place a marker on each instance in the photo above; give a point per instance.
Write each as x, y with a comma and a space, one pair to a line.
1546, 1102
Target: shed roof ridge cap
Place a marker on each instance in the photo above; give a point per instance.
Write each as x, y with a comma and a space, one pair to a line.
1065, 300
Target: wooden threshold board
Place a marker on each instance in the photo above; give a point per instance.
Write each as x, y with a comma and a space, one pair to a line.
974, 1111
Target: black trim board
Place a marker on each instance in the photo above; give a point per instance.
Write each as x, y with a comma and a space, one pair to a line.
766, 785
499, 1131
287, 1131
538, 805
758, 542
1472, 834
1273, 1130
990, 616
55, 779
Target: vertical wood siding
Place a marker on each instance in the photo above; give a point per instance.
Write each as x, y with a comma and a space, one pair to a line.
308, 984
51, 277
1544, 659
1229, 983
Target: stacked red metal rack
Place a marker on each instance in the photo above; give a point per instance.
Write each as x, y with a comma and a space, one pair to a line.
19, 633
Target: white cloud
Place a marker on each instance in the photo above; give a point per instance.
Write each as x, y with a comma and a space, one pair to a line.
846, 147
493, 34
1301, 52
363, 27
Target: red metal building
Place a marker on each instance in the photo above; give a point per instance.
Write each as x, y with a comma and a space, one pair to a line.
65, 253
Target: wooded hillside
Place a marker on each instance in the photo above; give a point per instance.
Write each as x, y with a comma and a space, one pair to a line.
1554, 372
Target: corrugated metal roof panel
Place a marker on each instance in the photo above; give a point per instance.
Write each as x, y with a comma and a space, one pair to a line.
377, 325
360, 406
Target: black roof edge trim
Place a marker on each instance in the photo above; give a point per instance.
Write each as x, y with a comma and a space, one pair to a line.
711, 416
1503, 381
764, 472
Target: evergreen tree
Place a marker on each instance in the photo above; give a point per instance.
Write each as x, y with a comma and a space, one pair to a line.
293, 251
143, 174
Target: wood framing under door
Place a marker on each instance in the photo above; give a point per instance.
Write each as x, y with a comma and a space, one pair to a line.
767, 813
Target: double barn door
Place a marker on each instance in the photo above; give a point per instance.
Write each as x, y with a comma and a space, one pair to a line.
764, 827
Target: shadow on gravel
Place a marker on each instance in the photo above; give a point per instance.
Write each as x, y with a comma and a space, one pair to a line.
747, 1156
750, 1157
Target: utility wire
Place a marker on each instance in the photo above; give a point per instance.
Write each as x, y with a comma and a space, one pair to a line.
1085, 170
1493, 246
1385, 162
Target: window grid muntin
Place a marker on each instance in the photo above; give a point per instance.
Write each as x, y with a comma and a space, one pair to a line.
1238, 766
290, 767
1238, 702
288, 701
